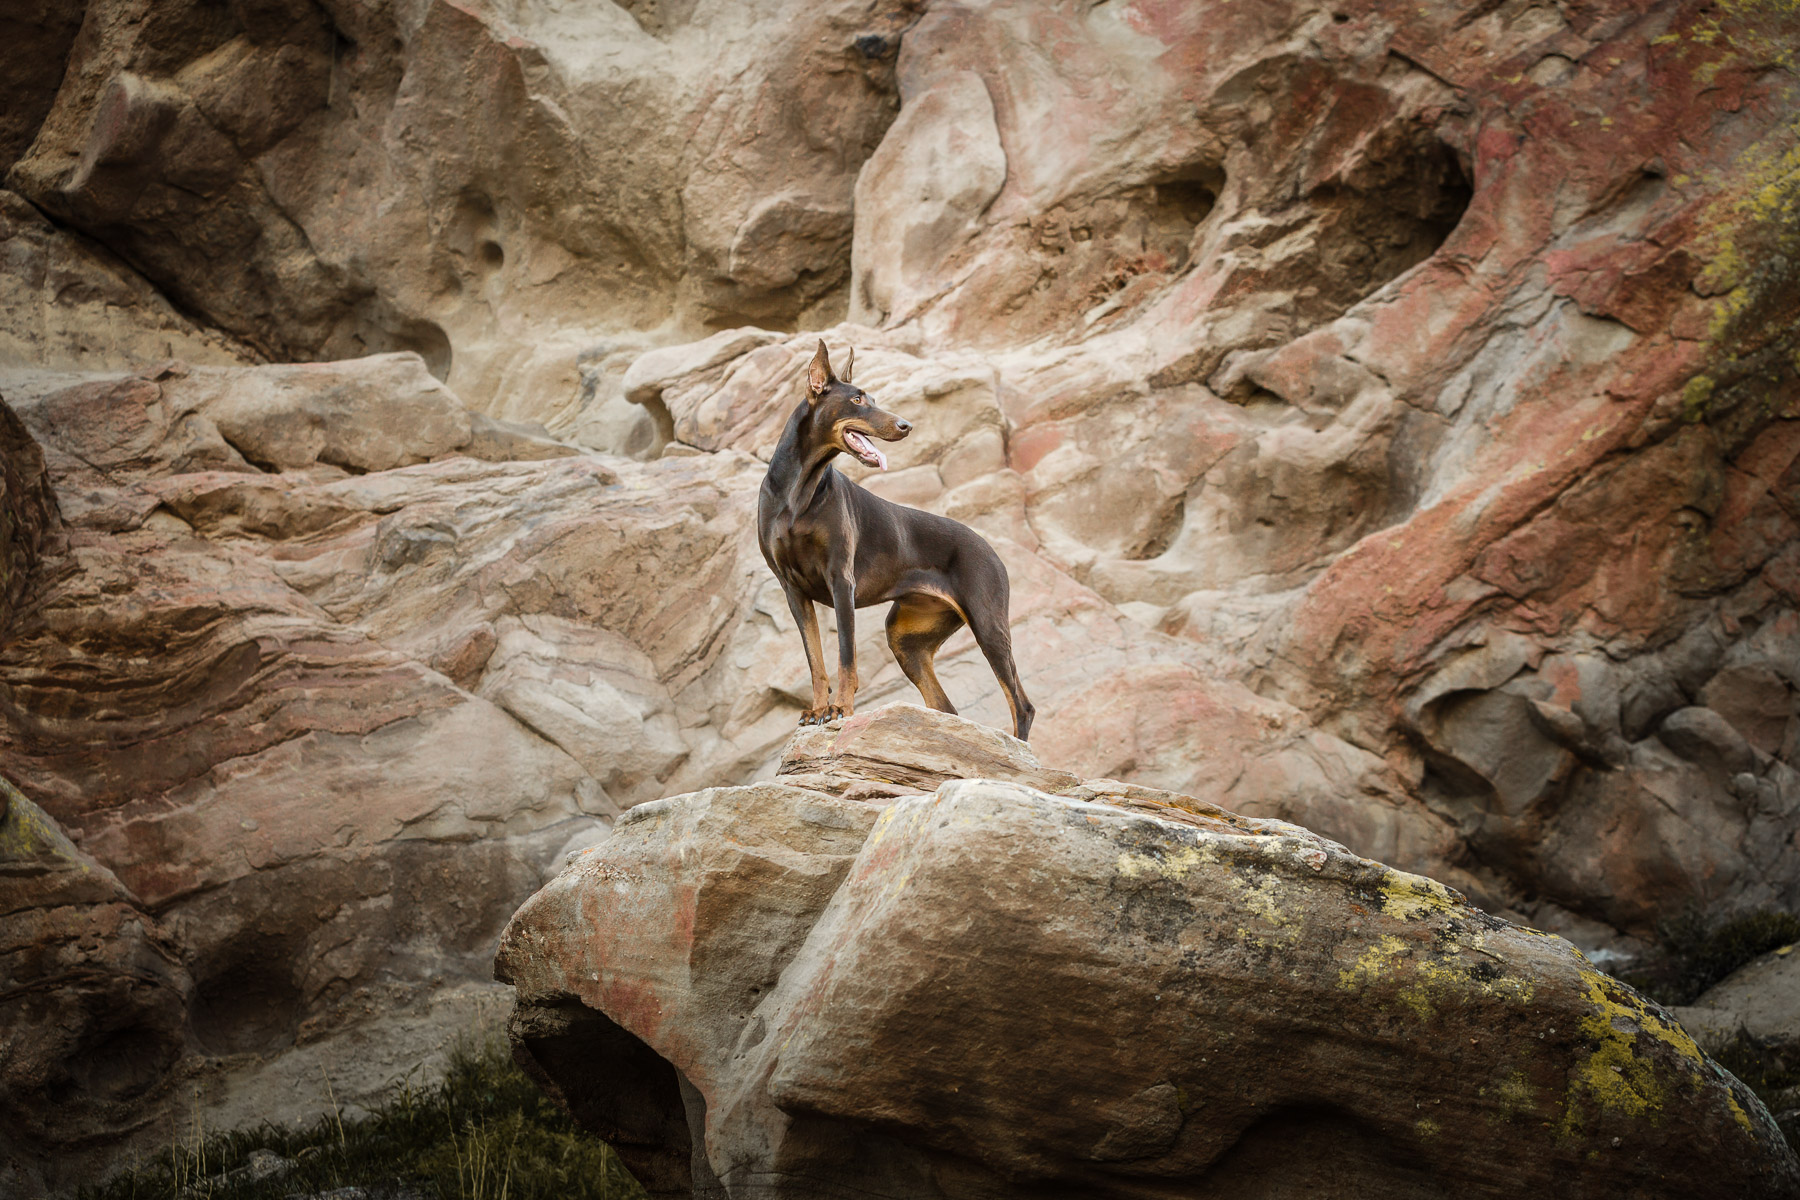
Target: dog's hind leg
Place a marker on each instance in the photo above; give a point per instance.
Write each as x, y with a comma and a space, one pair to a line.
987, 621
916, 626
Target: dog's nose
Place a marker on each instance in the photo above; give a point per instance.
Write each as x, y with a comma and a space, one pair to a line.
905, 427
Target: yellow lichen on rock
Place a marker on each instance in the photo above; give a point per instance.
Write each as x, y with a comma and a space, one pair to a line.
1514, 1097
1261, 898
1170, 866
1411, 897
1614, 1075
1372, 964
26, 831
1435, 981
1428, 982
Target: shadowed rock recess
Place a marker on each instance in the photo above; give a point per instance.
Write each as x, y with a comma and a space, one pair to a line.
994, 989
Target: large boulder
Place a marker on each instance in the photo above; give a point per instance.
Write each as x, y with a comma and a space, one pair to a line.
1752, 1018
992, 990
1759, 1001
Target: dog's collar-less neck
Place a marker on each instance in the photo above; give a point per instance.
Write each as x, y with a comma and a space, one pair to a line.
798, 481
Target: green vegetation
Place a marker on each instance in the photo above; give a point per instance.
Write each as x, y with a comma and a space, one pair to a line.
1697, 952
485, 1133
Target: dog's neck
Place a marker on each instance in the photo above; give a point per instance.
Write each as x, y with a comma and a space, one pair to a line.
801, 464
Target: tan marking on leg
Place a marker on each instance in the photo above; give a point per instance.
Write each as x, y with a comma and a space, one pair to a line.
815, 662
917, 625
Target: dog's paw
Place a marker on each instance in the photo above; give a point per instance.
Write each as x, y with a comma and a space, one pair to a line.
815, 716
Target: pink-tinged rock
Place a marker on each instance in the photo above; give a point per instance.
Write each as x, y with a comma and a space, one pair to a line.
1386, 416
919, 197
224, 686
728, 885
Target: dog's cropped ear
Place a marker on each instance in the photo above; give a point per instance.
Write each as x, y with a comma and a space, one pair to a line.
818, 374
849, 364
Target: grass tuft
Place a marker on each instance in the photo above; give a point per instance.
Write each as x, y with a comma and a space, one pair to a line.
1696, 953
485, 1133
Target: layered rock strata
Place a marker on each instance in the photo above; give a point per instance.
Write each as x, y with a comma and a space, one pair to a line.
988, 989
324, 669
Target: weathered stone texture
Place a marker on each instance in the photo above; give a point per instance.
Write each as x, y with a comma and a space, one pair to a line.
994, 991
1387, 415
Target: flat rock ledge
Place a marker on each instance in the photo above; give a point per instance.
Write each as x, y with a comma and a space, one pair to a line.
987, 979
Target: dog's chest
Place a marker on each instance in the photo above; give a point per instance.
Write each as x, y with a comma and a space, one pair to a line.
800, 551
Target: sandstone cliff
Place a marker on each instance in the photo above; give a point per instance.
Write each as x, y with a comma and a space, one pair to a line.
1388, 415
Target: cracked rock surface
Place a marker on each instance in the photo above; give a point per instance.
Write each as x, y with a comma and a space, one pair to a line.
989, 989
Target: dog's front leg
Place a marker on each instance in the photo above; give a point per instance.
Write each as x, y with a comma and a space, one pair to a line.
807, 618
843, 600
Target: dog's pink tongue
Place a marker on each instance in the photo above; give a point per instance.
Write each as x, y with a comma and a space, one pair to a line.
864, 448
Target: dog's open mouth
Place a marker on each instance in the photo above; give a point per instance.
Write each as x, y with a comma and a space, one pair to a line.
865, 450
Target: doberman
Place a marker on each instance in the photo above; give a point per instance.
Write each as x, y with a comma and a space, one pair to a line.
831, 542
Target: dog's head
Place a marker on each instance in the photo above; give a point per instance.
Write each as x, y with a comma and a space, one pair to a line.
846, 412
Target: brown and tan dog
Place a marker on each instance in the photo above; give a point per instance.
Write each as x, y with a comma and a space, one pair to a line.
830, 542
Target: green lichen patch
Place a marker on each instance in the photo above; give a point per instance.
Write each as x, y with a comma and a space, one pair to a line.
1373, 964
1175, 864
1512, 1097
1749, 241
28, 834
1454, 969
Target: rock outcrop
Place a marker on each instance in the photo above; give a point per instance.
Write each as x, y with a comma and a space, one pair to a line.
325, 670
993, 990
279, 860
466, 181
1759, 1001
96, 999
1422, 373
